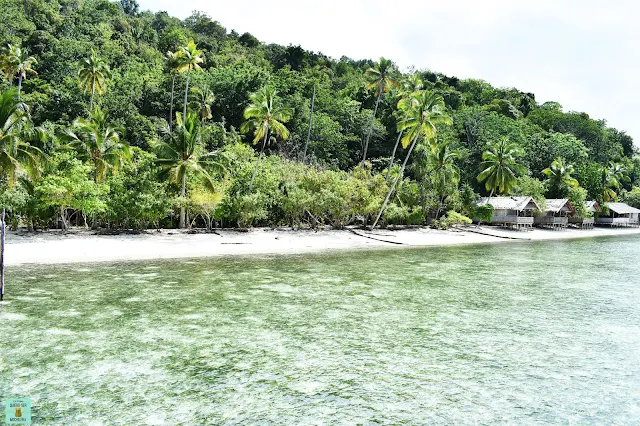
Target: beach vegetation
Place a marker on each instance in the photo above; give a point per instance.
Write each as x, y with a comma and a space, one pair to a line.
88, 128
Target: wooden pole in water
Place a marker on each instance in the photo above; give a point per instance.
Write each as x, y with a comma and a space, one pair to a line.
2, 228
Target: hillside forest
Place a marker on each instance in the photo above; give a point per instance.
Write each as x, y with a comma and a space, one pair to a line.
112, 117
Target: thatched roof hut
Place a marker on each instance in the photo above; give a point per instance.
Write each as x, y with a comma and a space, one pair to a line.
592, 206
510, 203
620, 214
556, 213
558, 206
517, 212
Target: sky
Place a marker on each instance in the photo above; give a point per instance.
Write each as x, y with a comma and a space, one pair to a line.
583, 54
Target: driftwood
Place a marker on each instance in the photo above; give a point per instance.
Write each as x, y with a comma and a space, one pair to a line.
372, 238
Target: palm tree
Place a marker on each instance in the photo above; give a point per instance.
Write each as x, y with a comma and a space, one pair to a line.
15, 153
265, 114
174, 62
184, 153
443, 170
560, 179
191, 58
425, 111
93, 74
499, 167
98, 142
410, 85
201, 100
18, 62
8, 63
612, 178
380, 78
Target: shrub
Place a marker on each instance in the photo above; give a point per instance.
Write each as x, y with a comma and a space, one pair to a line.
136, 198
251, 208
484, 213
451, 219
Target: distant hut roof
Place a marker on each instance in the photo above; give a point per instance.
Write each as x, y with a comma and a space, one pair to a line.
510, 203
622, 208
592, 206
556, 205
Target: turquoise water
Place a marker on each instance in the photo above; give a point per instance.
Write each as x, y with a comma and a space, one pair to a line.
534, 333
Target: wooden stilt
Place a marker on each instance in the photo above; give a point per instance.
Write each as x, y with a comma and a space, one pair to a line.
2, 230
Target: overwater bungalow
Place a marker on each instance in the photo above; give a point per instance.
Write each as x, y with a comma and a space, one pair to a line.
556, 214
586, 222
515, 212
620, 214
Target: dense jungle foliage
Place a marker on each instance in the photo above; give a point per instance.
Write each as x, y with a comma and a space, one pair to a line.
120, 118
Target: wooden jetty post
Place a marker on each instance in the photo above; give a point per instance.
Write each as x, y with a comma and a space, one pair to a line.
2, 230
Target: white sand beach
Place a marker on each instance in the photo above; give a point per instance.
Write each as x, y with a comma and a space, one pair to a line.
53, 247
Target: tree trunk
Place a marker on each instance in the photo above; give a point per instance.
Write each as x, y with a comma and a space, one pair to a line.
440, 206
186, 93
393, 155
373, 119
63, 217
2, 231
183, 209
93, 92
313, 101
395, 181
173, 85
264, 142
19, 85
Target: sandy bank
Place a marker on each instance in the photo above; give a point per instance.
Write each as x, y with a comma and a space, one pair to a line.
84, 246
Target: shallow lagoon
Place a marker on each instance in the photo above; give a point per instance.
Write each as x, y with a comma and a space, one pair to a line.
505, 333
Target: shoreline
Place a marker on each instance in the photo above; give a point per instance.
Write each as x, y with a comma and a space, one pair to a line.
53, 247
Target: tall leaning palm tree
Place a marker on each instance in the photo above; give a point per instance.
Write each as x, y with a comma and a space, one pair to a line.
20, 64
265, 114
15, 153
500, 166
184, 153
93, 75
98, 142
191, 58
380, 79
410, 85
559, 177
425, 112
174, 62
